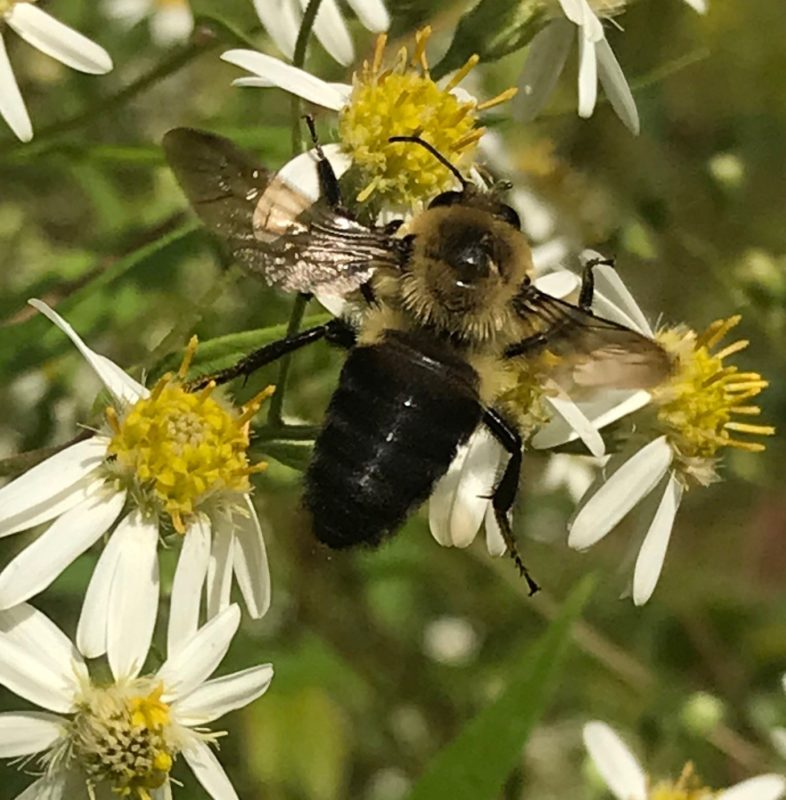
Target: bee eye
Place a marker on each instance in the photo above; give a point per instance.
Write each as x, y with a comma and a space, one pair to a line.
510, 216
446, 199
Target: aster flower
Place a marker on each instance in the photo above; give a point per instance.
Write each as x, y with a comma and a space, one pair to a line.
171, 21
692, 418
545, 414
54, 39
120, 737
383, 101
282, 19
166, 462
626, 779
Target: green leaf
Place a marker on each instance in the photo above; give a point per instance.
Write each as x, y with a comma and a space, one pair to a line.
475, 765
216, 354
492, 29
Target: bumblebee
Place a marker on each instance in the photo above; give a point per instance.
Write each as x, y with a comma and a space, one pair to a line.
445, 301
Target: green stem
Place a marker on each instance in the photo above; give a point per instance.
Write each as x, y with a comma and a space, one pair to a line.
299, 307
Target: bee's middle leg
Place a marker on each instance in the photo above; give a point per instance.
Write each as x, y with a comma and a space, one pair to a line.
505, 491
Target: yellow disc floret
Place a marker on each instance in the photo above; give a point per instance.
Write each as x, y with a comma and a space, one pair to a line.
403, 100
688, 787
180, 448
122, 738
699, 405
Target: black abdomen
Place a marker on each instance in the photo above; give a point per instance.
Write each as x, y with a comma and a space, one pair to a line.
392, 428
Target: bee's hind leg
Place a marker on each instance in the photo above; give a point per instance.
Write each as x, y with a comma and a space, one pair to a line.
587, 291
505, 491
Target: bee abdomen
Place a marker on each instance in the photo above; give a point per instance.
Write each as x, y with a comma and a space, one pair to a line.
390, 432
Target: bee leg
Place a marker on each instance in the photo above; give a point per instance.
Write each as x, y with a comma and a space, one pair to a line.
528, 345
587, 291
328, 182
505, 491
336, 332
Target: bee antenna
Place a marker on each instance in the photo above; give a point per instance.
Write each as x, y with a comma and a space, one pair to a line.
434, 152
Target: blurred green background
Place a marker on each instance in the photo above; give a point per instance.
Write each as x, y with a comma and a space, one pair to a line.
382, 657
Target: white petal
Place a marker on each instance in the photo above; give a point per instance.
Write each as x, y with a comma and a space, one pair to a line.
634, 480
614, 761
372, 14
495, 544
558, 284
12, 106
182, 673
51, 487
122, 386
51, 787
616, 86
23, 733
476, 484
35, 633
440, 504
28, 677
609, 284
698, 5
34, 668
219, 571
187, 585
588, 76
209, 771
250, 563
762, 787
653, 550
92, 626
546, 59
171, 24
300, 172
133, 596
778, 738
580, 13
286, 77
65, 539
331, 30
281, 21
49, 36
215, 698
573, 415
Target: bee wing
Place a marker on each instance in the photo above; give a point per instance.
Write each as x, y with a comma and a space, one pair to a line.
271, 227
591, 352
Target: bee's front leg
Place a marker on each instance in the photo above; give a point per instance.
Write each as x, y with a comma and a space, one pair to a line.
587, 291
328, 182
505, 491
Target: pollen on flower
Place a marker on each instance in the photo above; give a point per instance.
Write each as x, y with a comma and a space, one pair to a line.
403, 100
121, 737
525, 387
700, 405
686, 788
183, 447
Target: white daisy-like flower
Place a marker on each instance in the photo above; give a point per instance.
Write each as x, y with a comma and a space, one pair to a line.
282, 19
171, 21
626, 780
549, 51
54, 39
691, 418
167, 461
118, 738
385, 101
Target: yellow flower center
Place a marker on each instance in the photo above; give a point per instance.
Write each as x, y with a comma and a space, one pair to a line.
522, 390
686, 788
121, 736
403, 100
698, 406
182, 448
